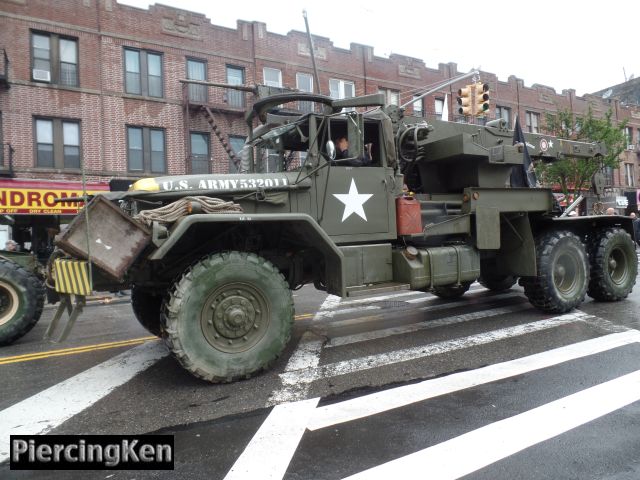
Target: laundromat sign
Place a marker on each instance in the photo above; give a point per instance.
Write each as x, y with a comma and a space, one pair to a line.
38, 197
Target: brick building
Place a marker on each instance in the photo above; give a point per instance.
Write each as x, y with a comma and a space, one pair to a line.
97, 82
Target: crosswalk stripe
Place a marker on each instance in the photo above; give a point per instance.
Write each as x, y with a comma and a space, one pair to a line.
474, 450
46, 410
309, 375
429, 324
474, 302
383, 401
272, 447
306, 355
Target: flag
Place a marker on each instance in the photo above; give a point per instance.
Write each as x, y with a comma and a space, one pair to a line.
522, 175
445, 109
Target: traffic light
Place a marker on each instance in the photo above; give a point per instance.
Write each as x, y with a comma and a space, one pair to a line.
464, 101
482, 98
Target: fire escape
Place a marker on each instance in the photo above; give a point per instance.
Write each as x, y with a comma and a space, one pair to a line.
219, 108
6, 150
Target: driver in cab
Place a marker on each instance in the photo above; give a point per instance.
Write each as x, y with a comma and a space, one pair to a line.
342, 153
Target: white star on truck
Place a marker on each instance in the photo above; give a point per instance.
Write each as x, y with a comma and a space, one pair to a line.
353, 201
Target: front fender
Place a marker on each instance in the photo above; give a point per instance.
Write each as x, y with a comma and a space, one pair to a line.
303, 225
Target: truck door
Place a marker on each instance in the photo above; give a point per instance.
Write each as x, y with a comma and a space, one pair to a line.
358, 203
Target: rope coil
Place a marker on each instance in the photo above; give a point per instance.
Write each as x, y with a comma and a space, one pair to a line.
185, 206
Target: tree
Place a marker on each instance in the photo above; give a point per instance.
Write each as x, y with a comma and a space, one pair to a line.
572, 174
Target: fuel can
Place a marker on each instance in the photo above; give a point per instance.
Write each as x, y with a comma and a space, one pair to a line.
408, 216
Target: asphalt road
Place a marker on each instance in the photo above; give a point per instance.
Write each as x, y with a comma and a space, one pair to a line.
402, 385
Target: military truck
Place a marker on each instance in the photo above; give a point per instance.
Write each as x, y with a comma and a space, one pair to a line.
212, 260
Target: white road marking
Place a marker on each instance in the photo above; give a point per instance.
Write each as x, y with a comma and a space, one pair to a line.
415, 327
382, 298
269, 452
605, 325
383, 401
309, 375
306, 356
474, 450
46, 410
478, 302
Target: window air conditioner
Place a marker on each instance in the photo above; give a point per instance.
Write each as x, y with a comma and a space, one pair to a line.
41, 75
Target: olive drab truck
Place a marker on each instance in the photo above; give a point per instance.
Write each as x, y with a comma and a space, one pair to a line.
212, 260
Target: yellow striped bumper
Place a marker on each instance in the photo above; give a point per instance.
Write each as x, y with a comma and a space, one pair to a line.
72, 276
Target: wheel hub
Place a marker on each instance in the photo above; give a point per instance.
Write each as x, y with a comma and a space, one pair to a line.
565, 274
234, 317
618, 267
8, 303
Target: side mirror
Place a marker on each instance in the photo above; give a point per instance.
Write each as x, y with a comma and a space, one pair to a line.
331, 149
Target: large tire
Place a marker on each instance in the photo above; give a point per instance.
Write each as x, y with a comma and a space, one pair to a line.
614, 265
21, 301
147, 306
451, 291
563, 273
498, 283
228, 317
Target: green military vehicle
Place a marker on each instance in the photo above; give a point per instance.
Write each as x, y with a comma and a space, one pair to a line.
212, 259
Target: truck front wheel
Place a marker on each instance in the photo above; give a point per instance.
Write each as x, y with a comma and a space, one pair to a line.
21, 301
228, 317
146, 307
614, 265
563, 273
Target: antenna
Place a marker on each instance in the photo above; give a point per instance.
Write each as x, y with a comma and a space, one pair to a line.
311, 51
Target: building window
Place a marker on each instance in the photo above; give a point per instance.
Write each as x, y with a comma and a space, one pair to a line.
533, 122
236, 143
417, 106
146, 150
197, 70
235, 76
272, 77
608, 175
341, 89
439, 106
200, 153
628, 173
57, 143
392, 97
304, 83
54, 59
504, 113
628, 135
143, 73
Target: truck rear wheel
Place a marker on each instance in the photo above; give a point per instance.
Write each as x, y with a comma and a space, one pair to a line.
146, 307
497, 283
21, 301
451, 291
563, 273
228, 317
614, 265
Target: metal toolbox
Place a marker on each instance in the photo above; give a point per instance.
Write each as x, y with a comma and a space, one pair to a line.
115, 239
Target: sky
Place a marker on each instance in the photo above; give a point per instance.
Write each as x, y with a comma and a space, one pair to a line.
587, 46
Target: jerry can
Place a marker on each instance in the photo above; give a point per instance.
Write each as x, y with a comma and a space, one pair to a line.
408, 216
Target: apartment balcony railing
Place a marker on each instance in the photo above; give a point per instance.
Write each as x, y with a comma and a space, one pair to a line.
198, 164
215, 95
